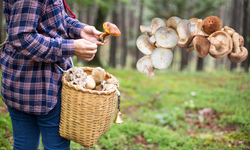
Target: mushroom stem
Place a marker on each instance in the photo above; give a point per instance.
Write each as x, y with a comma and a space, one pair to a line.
102, 36
150, 72
145, 28
190, 48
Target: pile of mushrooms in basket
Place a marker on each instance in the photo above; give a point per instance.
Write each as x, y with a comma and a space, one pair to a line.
207, 36
96, 81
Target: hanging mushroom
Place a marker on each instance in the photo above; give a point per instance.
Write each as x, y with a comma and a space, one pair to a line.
196, 24
110, 29
155, 24
144, 45
172, 22
144, 65
161, 58
240, 52
221, 44
201, 46
212, 24
165, 37
185, 34
229, 30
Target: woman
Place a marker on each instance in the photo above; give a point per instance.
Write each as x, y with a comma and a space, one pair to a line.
40, 35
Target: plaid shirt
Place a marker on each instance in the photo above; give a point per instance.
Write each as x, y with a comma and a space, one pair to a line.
40, 35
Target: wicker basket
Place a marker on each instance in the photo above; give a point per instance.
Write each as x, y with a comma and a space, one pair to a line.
86, 114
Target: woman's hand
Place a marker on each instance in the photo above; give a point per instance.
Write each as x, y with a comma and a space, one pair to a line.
85, 49
90, 34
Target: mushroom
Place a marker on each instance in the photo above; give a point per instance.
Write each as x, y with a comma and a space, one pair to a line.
98, 74
112, 81
144, 65
161, 58
240, 52
201, 46
98, 87
229, 30
110, 29
221, 44
185, 35
90, 82
196, 24
172, 22
144, 45
155, 24
212, 24
165, 37
108, 87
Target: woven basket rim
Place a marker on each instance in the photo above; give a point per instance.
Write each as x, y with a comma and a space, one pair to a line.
64, 82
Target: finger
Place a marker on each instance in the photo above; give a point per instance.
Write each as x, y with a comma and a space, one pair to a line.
89, 58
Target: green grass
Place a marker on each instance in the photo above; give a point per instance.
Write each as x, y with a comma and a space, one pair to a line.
154, 111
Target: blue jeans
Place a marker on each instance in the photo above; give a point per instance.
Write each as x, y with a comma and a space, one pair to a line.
27, 129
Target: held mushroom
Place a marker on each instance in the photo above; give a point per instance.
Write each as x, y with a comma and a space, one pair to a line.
110, 29
212, 24
161, 58
144, 65
165, 37
155, 24
240, 52
144, 45
201, 46
172, 22
221, 44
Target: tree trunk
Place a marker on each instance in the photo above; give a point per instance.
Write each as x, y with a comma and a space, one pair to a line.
235, 22
112, 52
132, 27
124, 37
101, 17
2, 31
199, 64
139, 54
184, 59
246, 31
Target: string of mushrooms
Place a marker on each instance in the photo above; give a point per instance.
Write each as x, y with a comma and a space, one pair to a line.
204, 36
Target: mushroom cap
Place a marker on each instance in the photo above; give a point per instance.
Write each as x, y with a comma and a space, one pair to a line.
240, 52
184, 29
156, 23
172, 22
166, 37
111, 28
201, 45
221, 44
144, 45
196, 24
212, 24
229, 30
161, 58
144, 65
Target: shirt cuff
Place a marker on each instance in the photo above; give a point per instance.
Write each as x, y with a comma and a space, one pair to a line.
67, 48
75, 31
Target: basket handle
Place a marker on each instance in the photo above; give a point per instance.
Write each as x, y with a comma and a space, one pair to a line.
71, 60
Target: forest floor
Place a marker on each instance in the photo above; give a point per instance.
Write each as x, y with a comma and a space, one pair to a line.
173, 110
